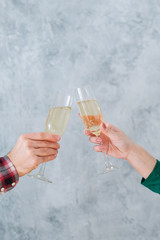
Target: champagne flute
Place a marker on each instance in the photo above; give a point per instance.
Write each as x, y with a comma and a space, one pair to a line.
56, 123
92, 117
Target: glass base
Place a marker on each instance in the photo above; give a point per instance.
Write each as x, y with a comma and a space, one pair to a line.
109, 169
40, 177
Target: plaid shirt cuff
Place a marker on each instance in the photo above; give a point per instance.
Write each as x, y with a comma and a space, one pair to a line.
8, 175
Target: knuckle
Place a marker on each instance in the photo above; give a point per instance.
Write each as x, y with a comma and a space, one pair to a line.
22, 137
26, 143
30, 151
42, 135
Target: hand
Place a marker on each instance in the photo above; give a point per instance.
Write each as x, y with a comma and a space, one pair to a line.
112, 140
32, 149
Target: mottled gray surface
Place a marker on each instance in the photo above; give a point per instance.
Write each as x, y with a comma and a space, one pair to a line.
47, 45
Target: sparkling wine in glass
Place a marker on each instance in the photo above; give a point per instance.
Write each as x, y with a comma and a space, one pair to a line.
56, 123
92, 117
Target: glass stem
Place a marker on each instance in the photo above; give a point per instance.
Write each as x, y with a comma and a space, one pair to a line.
42, 169
108, 164
104, 158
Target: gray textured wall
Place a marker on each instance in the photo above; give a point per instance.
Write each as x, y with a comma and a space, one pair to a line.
47, 45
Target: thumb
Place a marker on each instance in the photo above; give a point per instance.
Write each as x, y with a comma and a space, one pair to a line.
108, 129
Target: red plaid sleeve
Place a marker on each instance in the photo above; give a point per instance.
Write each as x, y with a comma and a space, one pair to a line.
8, 175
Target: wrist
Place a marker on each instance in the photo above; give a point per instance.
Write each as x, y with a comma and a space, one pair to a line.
134, 150
11, 158
141, 160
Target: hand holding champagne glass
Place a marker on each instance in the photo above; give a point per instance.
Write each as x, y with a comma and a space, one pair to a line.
56, 123
92, 117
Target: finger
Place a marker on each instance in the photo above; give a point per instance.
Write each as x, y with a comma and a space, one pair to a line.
44, 144
79, 115
46, 159
88, 132
100, 148
108, 128
42, 136
43, 152
95, 139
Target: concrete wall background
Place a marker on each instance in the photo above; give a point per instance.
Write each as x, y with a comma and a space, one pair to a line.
48, 45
